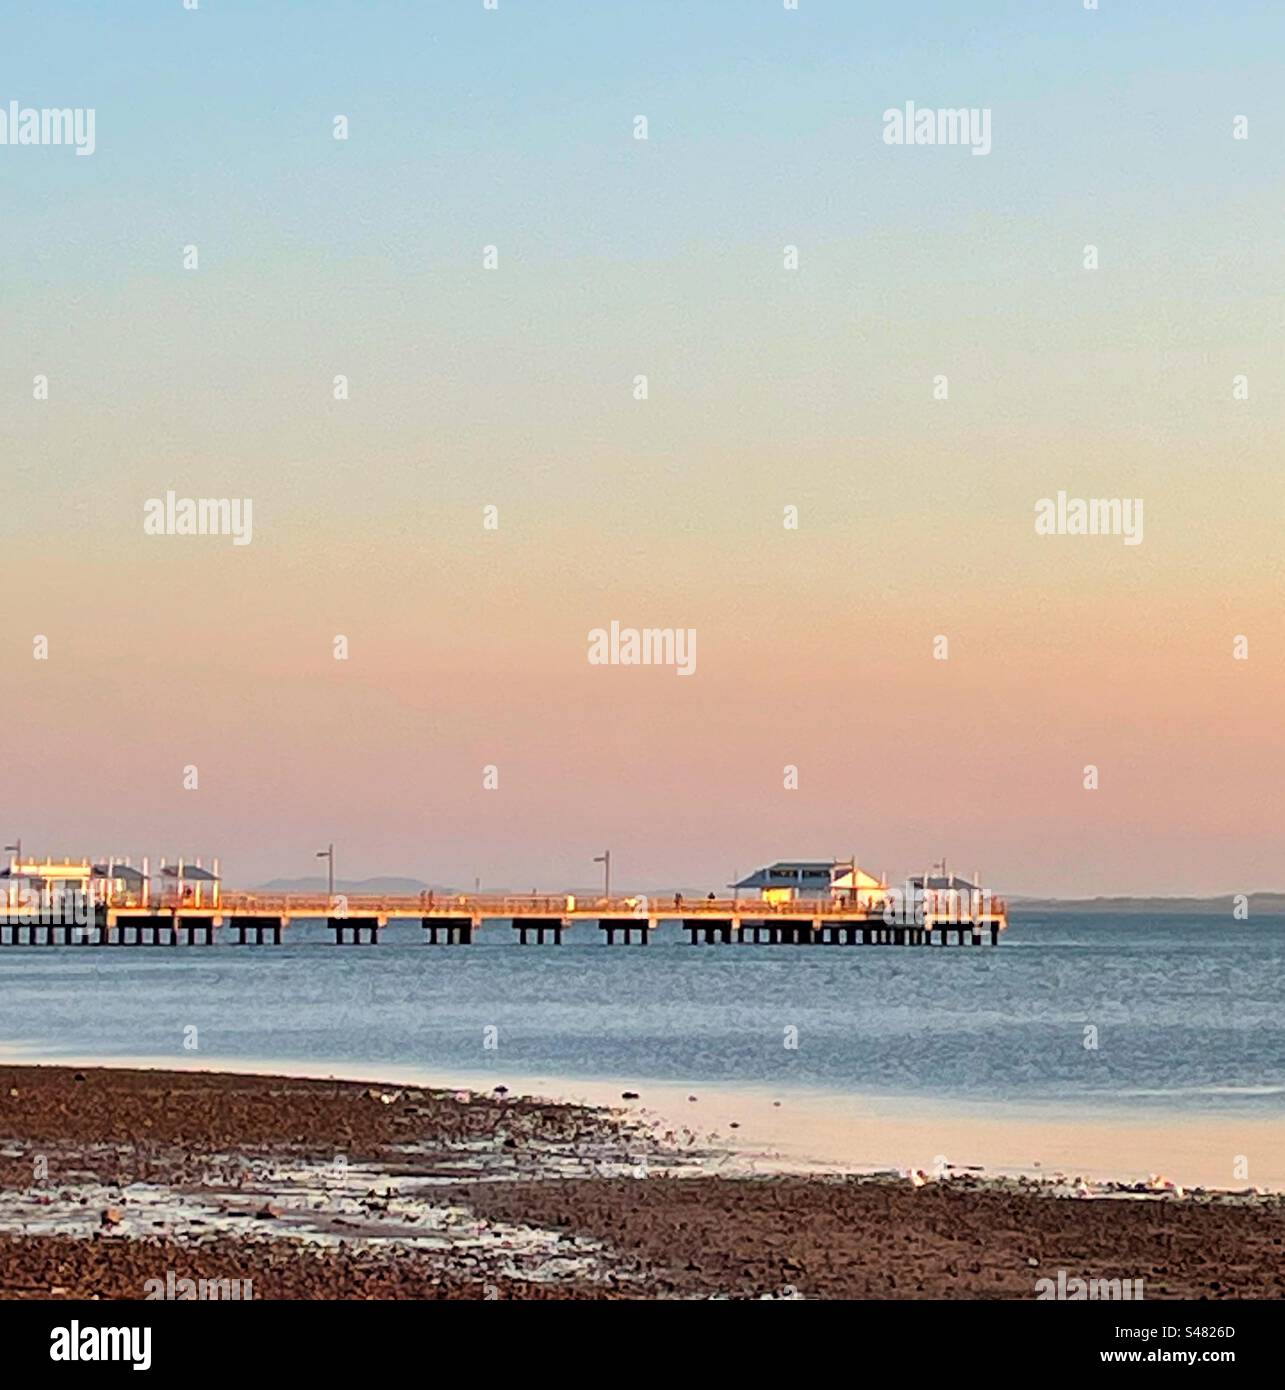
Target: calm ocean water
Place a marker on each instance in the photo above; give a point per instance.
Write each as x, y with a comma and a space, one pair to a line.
1189, 1012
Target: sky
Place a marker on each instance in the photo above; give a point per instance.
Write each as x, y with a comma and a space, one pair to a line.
190, 700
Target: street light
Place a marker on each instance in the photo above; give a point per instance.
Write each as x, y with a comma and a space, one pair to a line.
17, 850
605, 860
329, 854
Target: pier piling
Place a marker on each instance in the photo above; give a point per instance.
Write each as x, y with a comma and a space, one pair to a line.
350, 929
541, 928
628, 929
448, 931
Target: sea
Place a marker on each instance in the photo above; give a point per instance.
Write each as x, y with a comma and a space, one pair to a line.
1179, 1014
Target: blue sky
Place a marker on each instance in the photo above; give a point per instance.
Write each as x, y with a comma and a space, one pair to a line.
453, 106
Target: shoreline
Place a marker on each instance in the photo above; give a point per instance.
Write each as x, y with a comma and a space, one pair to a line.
814, 1131
112, 1179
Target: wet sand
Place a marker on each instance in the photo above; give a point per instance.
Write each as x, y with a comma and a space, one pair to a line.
799, 1130
344, 1189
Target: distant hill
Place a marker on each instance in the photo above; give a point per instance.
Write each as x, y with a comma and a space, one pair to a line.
317, 884
1260, 904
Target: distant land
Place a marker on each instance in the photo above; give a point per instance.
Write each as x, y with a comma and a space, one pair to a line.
317, 884
1260, 904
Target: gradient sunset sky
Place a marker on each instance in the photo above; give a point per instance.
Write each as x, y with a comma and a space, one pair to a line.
514, 388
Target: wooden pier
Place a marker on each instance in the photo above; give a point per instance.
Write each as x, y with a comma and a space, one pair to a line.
539, 919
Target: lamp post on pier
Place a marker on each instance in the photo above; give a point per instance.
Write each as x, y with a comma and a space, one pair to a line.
328, 854
16, 850
605, 860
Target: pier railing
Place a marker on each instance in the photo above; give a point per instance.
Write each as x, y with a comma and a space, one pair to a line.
667, 905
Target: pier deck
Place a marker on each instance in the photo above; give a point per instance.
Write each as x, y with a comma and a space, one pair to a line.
262, 919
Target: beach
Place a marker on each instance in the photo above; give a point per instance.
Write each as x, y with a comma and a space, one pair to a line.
117, 1182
